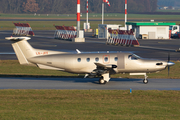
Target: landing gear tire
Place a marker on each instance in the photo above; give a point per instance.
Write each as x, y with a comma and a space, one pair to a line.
145, 81
102, 81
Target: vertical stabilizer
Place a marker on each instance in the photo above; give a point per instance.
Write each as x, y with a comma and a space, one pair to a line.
22, 48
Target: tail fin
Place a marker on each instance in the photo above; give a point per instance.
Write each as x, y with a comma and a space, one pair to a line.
22, 49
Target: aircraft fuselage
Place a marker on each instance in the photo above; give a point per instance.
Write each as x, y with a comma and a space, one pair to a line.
85, 63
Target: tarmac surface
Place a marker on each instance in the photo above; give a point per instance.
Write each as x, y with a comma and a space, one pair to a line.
87, 83
153, 49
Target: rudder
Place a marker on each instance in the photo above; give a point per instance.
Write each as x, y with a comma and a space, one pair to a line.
22, 49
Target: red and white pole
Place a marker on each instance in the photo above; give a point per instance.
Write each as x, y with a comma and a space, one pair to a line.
103, 12
78, 17
125, 14
87, 16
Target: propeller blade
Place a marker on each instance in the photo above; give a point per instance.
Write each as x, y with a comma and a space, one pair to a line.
168, 57
168, 62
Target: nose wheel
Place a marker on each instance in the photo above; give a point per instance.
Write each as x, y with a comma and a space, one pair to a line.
145, 81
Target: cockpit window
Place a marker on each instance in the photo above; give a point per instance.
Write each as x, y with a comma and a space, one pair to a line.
134, 57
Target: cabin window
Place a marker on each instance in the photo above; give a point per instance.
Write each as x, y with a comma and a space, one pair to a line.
88, 59
79, 59
106, 59
97, 59
116, 59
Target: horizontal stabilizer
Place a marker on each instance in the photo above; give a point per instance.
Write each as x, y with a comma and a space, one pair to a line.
17, 38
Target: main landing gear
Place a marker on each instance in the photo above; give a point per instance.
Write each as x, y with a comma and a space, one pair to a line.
102, 81
104, 78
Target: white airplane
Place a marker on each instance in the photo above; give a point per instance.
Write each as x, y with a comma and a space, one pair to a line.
91, 64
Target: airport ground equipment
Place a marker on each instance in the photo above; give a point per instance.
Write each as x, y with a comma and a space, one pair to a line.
122, 37
23, 29
174, 31
65, 32
95, 33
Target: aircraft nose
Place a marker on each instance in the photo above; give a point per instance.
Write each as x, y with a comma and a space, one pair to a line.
170, 63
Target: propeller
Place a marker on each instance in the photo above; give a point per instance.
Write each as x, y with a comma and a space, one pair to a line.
169, 63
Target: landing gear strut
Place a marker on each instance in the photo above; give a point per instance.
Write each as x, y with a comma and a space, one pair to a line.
145, 81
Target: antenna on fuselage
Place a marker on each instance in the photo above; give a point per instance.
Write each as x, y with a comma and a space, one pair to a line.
78, 51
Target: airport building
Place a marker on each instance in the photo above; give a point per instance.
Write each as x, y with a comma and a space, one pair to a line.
150, 30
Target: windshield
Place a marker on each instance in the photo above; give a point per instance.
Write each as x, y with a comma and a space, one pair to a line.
134, 57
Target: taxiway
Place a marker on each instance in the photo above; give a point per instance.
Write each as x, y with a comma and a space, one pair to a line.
87, 83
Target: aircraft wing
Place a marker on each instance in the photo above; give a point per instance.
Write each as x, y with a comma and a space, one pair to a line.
103, 69
105, 66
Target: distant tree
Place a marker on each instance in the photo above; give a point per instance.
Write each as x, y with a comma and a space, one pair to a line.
70, 6
30, 6
44, 5
147, 5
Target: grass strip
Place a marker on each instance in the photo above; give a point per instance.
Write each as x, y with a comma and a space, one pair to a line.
89, 104
90, 15
48, 25
12, 68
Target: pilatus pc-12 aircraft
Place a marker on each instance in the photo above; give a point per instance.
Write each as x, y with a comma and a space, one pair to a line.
91, 64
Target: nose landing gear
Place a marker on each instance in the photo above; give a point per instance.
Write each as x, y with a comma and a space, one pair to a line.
145, 81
